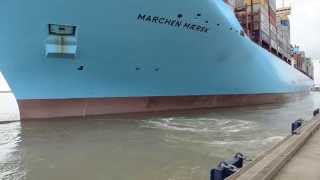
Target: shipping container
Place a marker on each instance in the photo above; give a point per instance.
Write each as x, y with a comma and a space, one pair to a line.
240, 5
272, 17
263, 3
231, 3
283, 32
270, 28
273, 5
254, 17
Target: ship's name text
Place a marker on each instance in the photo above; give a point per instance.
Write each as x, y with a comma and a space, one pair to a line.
172, 22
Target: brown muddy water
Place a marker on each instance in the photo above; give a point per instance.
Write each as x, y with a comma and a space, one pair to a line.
181, 147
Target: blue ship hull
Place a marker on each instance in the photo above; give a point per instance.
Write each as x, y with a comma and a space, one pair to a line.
136, 49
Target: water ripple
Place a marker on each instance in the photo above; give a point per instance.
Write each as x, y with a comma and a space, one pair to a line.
10, 158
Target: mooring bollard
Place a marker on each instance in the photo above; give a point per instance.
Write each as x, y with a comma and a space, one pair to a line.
296, 125
227, 168
316, 112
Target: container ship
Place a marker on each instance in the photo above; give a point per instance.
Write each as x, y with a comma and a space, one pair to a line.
82, 58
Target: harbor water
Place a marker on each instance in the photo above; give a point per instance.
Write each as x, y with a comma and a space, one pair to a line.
180, 147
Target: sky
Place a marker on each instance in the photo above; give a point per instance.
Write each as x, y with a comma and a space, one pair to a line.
305, 25
9, 110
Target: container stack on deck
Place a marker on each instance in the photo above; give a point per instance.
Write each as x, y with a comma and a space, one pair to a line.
269, 27
273, 25
303, 63
254, 17
231, 3
283, 32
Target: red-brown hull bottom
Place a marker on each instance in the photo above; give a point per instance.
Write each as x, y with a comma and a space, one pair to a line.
43, 109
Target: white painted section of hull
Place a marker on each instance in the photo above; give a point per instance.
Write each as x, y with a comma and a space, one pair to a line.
9, 110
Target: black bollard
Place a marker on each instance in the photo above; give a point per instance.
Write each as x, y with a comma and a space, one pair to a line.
316, 112
296, 125
227, 168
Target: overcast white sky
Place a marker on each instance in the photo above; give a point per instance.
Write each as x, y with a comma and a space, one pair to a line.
305, 25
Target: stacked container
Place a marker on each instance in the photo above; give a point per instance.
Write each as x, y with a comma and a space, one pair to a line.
273, 25
231, 3
270, 28
266, 25
303, 63
283, 32
243, 16
254, 17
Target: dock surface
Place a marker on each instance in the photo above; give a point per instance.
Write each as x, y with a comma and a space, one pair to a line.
297, 157
305, 164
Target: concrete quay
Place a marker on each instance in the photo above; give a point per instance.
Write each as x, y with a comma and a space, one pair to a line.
297, 157
305, 164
